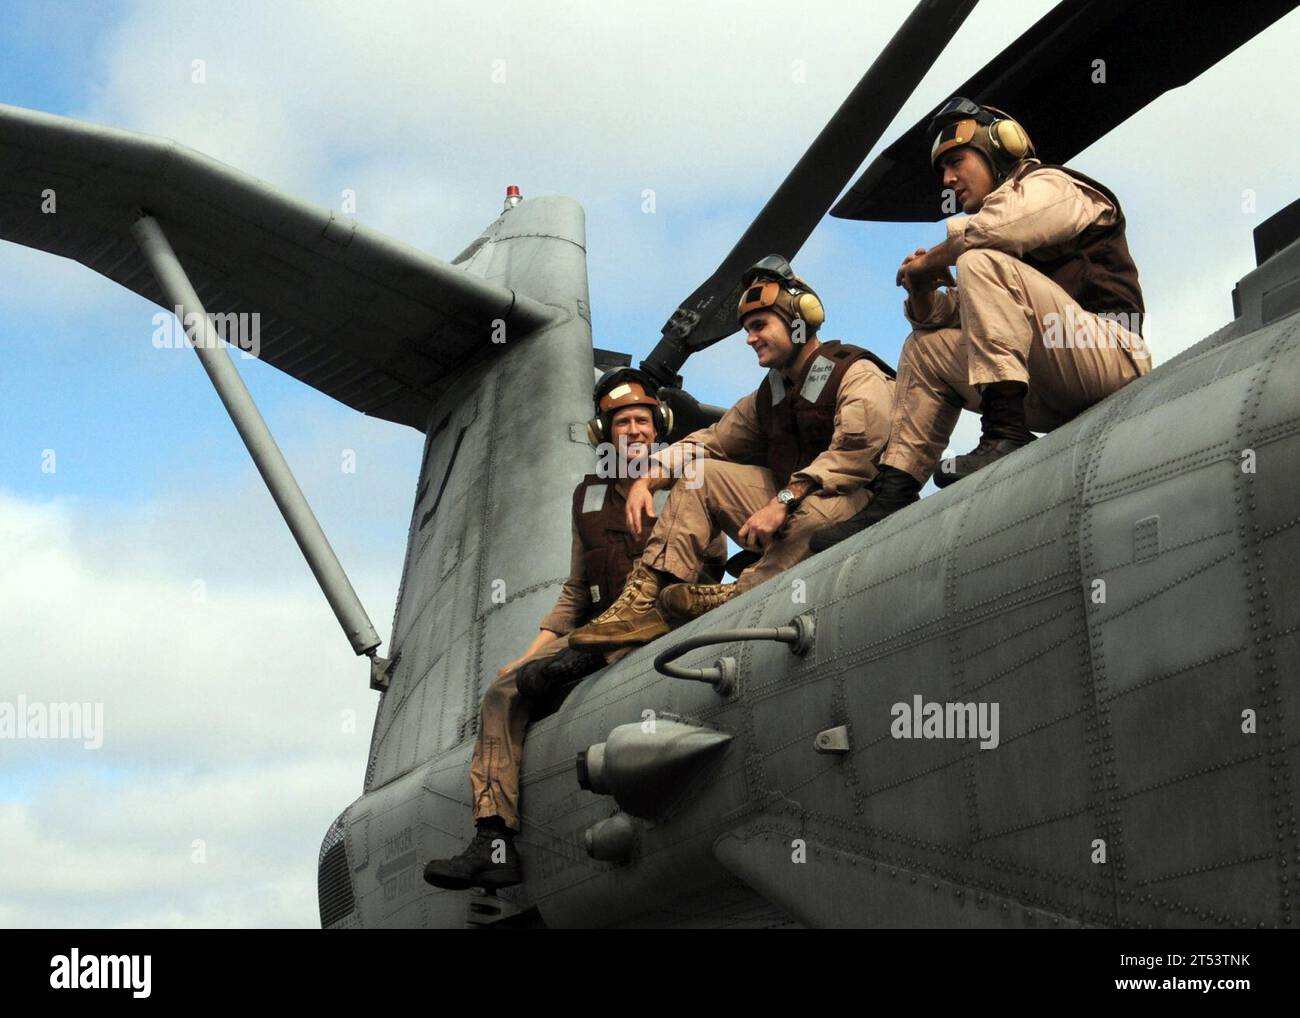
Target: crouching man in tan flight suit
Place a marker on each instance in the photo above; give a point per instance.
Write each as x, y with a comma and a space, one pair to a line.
629, 417
1043, 321
817, 424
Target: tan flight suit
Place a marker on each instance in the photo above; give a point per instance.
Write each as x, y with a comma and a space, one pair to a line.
604, 551
1008, 321
719, 492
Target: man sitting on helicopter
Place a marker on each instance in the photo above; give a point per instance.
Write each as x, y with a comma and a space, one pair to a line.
785, 461
1044, 320
629, 417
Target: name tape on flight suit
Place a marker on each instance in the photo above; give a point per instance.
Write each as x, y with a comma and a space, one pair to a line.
593, 499
818, 375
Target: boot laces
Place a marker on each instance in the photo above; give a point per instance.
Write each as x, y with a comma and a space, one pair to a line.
716, 593
631, 589
483, 843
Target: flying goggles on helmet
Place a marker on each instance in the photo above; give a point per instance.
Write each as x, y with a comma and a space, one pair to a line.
1001, 140
770, 284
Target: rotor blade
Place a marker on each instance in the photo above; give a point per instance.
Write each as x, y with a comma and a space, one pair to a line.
379, 326
1080, 71
801, 201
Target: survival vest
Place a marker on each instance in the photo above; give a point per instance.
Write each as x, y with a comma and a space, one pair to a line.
1097, 269
608, 548
799, 423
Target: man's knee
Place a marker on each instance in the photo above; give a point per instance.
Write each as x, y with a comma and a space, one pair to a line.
714, 482
911, 347
696, 473
501, 693
709, 471
984, 261
935, 354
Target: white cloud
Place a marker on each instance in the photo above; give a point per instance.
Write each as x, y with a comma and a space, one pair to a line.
242, 720
429, 110
181, 630
39, 284
173, 847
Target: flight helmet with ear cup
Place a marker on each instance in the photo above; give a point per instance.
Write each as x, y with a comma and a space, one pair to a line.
987, 129
771, 284
624, 387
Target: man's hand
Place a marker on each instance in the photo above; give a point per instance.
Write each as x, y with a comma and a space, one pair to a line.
640, 506
900, 279
504, 669
760, 529
923, 272
543, 637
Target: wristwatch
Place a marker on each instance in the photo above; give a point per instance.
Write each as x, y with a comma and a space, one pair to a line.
788, 499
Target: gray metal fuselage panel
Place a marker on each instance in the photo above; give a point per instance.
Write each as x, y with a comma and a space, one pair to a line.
1123, 589
488, 548
1121, 716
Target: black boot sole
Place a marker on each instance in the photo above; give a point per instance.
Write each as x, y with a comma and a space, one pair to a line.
942, 480
492, 879
501, 876
446, 881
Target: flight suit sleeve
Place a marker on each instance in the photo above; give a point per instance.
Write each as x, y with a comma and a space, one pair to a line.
735, 438
863, 407
1040, 209
574, 602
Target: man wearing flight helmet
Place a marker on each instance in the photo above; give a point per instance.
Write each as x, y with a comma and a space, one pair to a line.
788, 459
1043, 321
629, 417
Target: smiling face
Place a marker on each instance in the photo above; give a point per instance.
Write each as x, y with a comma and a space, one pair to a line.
632, 430
770, 339
968, 174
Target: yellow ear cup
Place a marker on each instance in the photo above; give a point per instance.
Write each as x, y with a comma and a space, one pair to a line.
666, 412
1010, 137
811, 311
595, 432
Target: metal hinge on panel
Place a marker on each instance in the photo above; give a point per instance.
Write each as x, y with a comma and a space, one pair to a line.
833, 740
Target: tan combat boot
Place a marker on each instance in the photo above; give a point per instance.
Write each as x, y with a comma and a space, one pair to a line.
682, 602
633, 618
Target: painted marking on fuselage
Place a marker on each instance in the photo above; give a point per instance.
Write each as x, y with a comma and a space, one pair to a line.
396, 870
559, 854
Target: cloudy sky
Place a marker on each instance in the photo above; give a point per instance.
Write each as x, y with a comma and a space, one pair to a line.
150, 572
